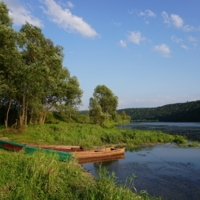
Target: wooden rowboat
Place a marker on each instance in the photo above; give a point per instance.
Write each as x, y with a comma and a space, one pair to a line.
87, 156
68, 152
59, 147
99, 153
12, 146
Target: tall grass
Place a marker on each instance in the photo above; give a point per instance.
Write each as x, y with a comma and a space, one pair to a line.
41, 176
88, 135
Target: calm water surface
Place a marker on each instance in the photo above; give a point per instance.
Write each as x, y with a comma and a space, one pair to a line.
191, 130
162, 170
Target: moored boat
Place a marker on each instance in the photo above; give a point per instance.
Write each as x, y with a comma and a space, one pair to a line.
86, 156
99, 153
68, 152
64, 148
12, 146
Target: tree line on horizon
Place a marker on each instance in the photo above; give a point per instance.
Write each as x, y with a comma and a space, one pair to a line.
178, 112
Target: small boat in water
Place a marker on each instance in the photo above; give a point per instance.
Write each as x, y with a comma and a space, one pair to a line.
12, 146
102, 152
68, 152
87, 156
80, 152
64, 148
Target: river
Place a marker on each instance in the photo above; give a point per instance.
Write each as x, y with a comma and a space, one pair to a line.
162, 170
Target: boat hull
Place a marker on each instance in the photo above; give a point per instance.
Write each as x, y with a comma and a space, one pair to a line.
105, 152
68, 152
59, 147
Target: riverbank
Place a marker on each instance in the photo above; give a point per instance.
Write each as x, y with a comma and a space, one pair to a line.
40, 176
88, 135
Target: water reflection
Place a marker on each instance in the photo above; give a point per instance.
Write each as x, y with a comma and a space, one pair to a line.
105, 159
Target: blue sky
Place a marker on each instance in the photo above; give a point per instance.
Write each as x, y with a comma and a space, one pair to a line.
146, 51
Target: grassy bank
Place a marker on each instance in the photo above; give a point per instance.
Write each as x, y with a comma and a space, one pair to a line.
40, 176
88, 135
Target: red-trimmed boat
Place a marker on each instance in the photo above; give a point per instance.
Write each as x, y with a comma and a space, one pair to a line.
12, 146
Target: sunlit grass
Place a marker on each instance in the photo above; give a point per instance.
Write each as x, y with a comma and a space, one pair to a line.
41, 176
89, 136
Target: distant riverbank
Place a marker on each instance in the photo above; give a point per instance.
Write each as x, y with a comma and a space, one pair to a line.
189, 129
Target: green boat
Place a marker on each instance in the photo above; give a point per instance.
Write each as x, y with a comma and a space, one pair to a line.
12, 146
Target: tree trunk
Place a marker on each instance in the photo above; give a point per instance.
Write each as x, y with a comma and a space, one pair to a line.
30, 116
7, 113
42, 116
22, 115
26, 113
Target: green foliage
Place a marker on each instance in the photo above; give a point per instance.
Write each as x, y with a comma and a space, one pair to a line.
33, 80
96, 113
10, 62
180, 112
103, 105
123, 115
4, 18
106, 99
88, 135
195, 144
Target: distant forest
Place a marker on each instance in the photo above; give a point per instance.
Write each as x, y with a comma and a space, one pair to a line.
179, 112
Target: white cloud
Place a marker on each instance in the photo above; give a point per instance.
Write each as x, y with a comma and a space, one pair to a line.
177, 21
188, 28
117, 23
166, 18
66, 20
20, 14
175, 39
173, 19
135, 37
179, 41
184, 47
122, 43
192, 39
148, 13
70, 4
163, 49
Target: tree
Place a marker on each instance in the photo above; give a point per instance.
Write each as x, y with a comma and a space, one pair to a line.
95, 113
10, 60
50, 85
103, 104
123, 115
71, 97
106, 99
32, 78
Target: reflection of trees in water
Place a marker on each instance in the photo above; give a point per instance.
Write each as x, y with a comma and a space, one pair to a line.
104, 164
98, 165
